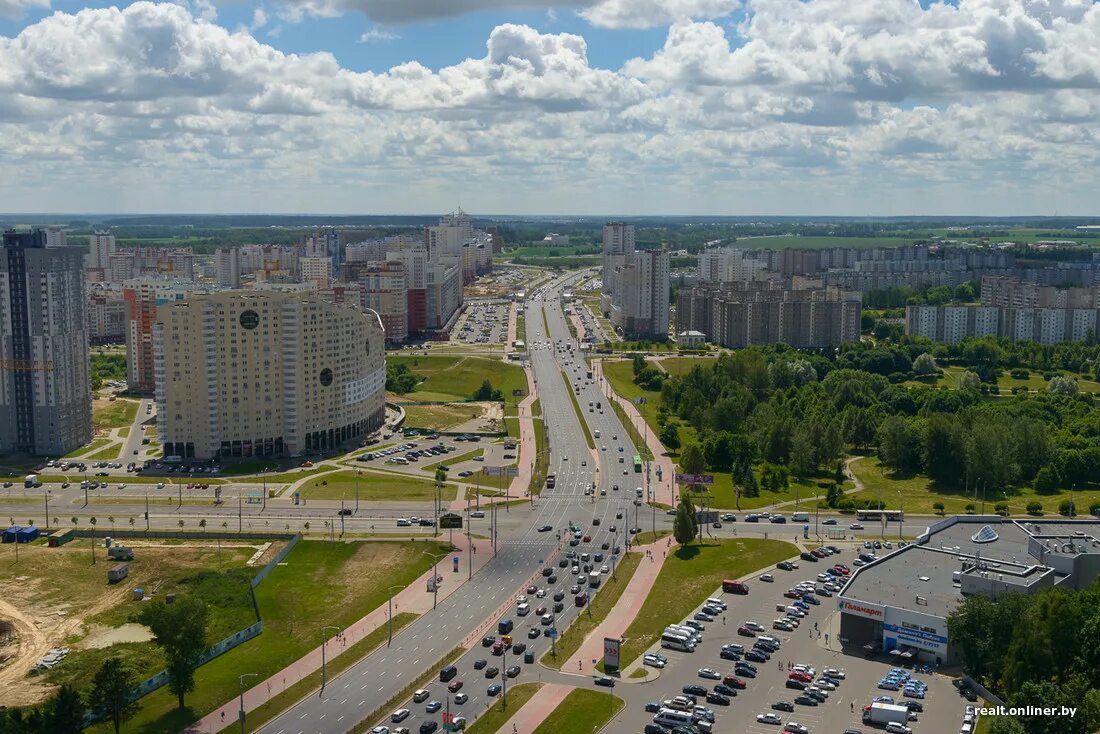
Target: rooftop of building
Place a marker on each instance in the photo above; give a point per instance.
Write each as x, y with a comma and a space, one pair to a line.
920, 576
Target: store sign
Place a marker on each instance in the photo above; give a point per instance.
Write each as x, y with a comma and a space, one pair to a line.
861, 609
611, 647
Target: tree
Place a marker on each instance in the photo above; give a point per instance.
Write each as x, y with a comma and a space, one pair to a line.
685, 526
111, 689
924, 364
899, 444
938, 507
180, 630
858, 426
1063, 385
943, 449
487, 392
802, 454
969, 381
1034, 508
692, 460
833, 493
1047, 480
63, 713
1067, 508
670, 435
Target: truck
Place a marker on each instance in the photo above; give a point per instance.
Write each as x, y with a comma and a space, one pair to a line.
30, 481
800, 516
594, 579
884, 713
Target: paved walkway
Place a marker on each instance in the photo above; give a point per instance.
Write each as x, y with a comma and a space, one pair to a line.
537, 708
662, 489
413, 598
624, 611
513, 323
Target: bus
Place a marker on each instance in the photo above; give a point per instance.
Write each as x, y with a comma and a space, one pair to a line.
879, 515
637, 464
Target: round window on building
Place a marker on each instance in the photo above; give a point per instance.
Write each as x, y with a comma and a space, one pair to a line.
326, 377
250, 319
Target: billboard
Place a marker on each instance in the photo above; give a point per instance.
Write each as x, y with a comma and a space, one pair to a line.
501, 471
450, 520
611, 652
695, 479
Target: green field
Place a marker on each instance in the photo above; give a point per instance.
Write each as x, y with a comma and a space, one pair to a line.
1034, 382
683, 365
605, 599
581, 709
695, 571
105, 454
320, 584
113, 414
621, 376
456, 378
495, 717
917, 493
373, 486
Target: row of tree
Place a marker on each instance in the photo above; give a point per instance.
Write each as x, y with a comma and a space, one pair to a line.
1035, 650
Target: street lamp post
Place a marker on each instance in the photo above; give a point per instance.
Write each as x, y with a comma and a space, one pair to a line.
240, 684
435, 575
357, 473
324, 643
389, 614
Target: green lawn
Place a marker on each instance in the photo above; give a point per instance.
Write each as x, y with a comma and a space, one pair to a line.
373, 486
917, 493
635, 438
320, 584
621, 376
495, 717
113, 414
1034, 382
97, 443
521, 328
577, 409
722, 494
606, 598
581, 709
456, 378
683, 365
110, 452
542, 457
647, 537
694, 572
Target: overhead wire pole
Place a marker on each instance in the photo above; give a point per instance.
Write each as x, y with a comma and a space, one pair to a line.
324, 643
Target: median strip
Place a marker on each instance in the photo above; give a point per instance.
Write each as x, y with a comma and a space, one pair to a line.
577, 408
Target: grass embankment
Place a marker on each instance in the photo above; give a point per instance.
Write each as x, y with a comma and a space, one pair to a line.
545, 321
441, 416
581, 709
695, 571
366, 723
650, 537
320, 584
449, 378
373, 486
598, 608
113, 413
497, 716
345, 658
521, 327
635, 438
678, 366
621, 376
577, 409
916, 493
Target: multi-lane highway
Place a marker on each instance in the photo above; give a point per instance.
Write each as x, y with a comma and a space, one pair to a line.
372, 681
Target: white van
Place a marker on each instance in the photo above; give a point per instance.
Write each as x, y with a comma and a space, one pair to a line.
596, 433
672, 718
403, 522
523, 609
800, 517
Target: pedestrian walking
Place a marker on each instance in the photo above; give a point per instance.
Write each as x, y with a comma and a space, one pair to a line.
852, 706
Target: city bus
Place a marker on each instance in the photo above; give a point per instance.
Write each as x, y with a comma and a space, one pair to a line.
637, 464
878, 515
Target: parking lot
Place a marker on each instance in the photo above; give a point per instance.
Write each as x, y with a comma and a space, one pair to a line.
942, 707
482, 322
417, 452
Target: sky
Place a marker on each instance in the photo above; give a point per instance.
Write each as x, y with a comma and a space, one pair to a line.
631, 107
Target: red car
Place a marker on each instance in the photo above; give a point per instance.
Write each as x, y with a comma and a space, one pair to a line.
799, 675
745, 632
587, 538
734, 682
841, 569
792, 594
454, 686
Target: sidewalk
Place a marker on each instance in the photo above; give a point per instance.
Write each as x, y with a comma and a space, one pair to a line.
413, 598
623, 613
537, 708
663, 491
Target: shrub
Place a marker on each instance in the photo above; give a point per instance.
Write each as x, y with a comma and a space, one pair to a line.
1001, 508
1094, 509
1067, 508
1034, 508
938, 507
1020, 374
969, 508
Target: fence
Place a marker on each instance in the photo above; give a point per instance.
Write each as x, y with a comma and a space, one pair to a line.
181, 534
275, 561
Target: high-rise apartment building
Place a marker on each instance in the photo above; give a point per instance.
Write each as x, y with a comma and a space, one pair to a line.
950, 324
317, 271
266, 373
386, 292
743, 313
45, 393
719, 265
106, 311
143, 296
101, 245
1017, 293
618, 240
640, 304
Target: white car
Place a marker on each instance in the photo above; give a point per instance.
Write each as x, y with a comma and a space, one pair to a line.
767, 577
605, 569
894, 727
541, 594
653, 661
399, 715
768, 718
825, 684
755, 626
710, 674
380, 730
834, 673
